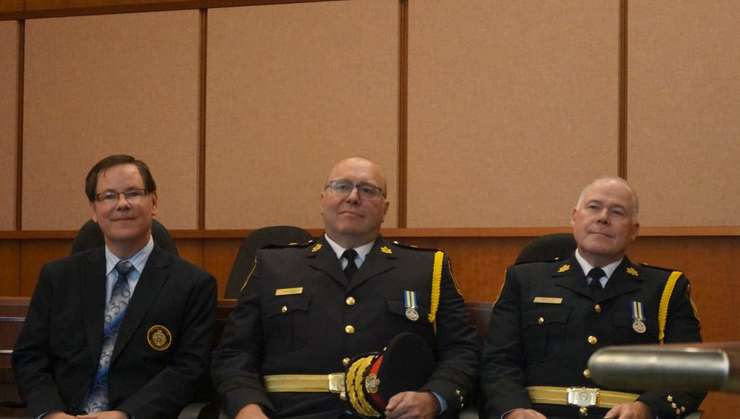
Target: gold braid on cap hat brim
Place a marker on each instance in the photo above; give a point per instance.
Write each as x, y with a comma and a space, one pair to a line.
355, 392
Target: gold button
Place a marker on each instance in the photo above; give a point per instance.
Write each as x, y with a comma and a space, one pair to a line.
683, 409
343, 396
541, 320
587, 373
674, 406
583, 411
284, 309
350, 301
345, 361
349, 329
593, 340
669, 398
597, 308
678, 411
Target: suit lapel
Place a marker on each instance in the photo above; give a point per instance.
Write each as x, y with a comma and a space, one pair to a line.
93, 298
145, 294
623, 280
321, 256
375, 264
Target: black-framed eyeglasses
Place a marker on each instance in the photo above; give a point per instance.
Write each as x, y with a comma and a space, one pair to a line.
131, 195
344, 187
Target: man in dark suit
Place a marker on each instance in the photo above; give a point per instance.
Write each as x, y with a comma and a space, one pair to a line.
122, 330
306, 310
551, 316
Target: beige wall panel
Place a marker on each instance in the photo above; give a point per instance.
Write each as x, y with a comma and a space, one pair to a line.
99, 85
684, 111
292, 89
8, 122
513, 107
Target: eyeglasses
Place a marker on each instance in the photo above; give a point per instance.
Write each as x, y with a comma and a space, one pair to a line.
344, 187
131, 195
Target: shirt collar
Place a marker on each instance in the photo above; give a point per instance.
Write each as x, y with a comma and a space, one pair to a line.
362, 250
138, 260
608, 269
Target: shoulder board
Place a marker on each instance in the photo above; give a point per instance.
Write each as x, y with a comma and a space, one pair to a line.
556, 259
657, 267
413, 247
294, 245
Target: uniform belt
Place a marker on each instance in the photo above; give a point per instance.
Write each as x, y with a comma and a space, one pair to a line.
578, 396
305, 383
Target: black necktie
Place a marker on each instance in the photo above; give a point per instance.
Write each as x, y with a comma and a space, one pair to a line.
596, 274
351, 268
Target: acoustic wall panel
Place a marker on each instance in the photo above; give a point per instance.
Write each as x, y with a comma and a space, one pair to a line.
9, 122
99, 85
292, 89
513, 107
684, 111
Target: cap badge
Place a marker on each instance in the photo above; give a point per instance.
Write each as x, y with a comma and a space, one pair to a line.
159, 337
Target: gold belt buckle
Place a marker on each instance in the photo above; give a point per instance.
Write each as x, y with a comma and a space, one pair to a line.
583, 396
336, 382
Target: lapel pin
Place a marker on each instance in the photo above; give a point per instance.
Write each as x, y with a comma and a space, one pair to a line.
387, 250
564, 268
316, 248
632, 271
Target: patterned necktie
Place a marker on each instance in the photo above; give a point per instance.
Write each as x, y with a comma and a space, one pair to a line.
595, 285
97, 400
351, 268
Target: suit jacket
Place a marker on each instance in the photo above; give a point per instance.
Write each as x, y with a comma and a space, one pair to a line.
305, 332
536, 341
151, 375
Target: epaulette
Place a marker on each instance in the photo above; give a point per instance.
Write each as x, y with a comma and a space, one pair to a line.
647, 265
556, 259
413, 247
295, 245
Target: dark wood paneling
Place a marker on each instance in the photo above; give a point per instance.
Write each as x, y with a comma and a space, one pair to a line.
18, 9
34, 254
9, 278
218, 257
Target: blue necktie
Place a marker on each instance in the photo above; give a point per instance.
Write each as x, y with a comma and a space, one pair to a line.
595, 285
97, 399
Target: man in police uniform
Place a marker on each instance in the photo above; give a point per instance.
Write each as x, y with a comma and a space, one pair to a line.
551, 316
301, 315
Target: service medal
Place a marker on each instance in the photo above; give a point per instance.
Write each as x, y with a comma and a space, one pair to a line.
638, 325
409, 302
412, 314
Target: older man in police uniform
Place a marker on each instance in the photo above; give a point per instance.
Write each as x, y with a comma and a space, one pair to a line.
307, 310
551, 316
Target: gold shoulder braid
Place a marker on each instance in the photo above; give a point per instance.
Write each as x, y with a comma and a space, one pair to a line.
665, 299
436, 283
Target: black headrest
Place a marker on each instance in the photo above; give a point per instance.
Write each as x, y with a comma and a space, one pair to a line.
90, 236
547, 248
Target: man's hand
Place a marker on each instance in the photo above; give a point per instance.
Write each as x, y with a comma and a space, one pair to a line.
251, 411
412, 405
524, 414
108, 414
58, 415
634, 410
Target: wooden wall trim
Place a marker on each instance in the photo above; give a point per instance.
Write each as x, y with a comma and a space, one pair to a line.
403, 120
33, 9
19, 127
623, 92
201, 176
720, 231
